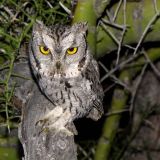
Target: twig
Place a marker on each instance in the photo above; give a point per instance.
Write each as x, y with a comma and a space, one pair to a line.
114, 77
49, 4
109, 32
119, 66
102, 23
149, 123
8, 11
151, 22
116, 112
65, 8
7, 94
82, 151
117, 10
21, 9
115, 25
129, 47
156, 71
155, 6
137, 86
123, 32
108, 88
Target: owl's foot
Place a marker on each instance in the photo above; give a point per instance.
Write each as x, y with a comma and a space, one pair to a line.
57, 120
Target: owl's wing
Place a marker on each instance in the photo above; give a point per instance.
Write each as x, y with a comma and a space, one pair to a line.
96, 112
97, 92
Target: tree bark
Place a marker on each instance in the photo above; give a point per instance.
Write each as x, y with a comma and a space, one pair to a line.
39, 143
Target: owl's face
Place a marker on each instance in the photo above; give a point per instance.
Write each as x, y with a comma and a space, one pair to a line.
59, 50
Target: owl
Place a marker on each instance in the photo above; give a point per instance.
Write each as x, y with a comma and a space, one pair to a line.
65, 69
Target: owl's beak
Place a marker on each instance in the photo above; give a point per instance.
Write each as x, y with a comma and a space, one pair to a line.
58, 65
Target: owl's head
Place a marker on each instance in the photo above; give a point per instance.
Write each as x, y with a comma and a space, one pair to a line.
58, 49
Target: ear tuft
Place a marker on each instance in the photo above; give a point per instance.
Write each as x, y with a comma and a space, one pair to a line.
38, 26
80, 27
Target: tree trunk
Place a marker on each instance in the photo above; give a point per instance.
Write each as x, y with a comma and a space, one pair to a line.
39, 143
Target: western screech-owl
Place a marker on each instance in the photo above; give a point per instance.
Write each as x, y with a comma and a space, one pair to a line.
65, 70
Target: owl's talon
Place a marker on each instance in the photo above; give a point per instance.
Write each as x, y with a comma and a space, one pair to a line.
71, 127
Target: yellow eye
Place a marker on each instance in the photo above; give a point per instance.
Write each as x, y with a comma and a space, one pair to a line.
72, 50
44, 50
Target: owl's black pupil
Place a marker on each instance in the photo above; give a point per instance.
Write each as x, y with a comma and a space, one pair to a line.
45, 48
71, 49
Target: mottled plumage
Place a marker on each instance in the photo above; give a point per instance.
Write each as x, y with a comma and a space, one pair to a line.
69, 80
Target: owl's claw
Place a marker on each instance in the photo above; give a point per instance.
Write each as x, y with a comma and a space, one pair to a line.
71, 127
54, 128
57, 122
